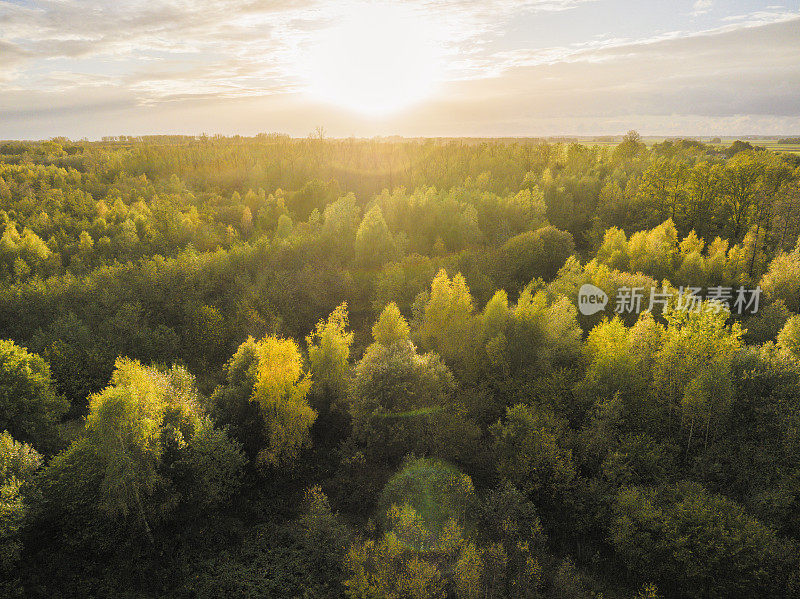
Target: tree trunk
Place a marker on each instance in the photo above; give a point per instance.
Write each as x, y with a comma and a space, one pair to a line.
148, 532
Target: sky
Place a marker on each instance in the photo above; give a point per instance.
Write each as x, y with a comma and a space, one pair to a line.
481, 68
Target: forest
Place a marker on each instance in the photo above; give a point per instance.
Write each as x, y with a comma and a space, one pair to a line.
270, 367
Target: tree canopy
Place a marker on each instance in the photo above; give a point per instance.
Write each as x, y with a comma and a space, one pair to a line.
317, 367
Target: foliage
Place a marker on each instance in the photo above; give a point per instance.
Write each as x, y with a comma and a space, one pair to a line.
399, 400
456, 428
374, 244
30, 408
697, 544
436, 491
18, 463
264, 400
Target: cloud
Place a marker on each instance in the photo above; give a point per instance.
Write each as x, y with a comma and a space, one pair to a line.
727, 74
701, 7
242, 44
602, 49
232, 64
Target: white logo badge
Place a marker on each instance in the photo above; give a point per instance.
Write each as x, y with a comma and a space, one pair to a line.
591, 299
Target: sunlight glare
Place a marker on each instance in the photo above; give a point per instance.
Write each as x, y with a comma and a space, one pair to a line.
376, 59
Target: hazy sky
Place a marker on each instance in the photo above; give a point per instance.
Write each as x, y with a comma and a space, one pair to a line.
420, 67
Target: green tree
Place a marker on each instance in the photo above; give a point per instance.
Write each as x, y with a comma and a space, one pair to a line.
329, 352
374, 244
436, 491
231, 403
18, 463
341, 220
401, 401
208, 469
30, 408
325, 538
692, 370
530, 451
510, 521
698, 544
148, 461
533, 254
284, 227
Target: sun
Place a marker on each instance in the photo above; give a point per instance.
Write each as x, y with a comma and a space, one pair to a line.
376, 59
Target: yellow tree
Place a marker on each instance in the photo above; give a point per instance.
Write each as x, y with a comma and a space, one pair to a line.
124, 423
329, 352
789, 337
264, 400
403, 563
281, 392
448, 318
391, 327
